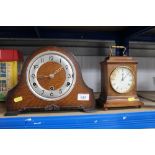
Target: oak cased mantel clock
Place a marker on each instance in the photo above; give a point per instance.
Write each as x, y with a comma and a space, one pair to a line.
51, 80
119, 83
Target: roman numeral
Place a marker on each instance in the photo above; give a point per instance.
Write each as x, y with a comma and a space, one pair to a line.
42, 60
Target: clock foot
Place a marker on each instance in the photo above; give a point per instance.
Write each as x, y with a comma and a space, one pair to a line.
105, 108
52, 108
121, 103
139, 106
11, 113
90, 110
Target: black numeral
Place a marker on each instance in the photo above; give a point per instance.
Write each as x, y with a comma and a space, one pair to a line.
60, 91
52, 88
69, 76
51, 94
35, 85
60, 60
42, 60
36, 66
42, 92
33, 76
68, 83
51, 58
66, 66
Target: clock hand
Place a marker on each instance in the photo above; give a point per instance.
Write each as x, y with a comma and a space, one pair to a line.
51, 75
56, 72
43, 76
125, 76
122, 77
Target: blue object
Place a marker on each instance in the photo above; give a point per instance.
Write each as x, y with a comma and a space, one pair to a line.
130, 120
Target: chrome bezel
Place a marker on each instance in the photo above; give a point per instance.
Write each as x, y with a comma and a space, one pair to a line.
50, 53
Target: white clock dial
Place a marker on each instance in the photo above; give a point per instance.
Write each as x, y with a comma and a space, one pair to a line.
122, 79
51, 75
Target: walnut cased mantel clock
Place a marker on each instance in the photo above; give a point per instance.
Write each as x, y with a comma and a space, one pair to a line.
51, 80
119, 82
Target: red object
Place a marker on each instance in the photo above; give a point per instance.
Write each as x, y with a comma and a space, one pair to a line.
10, 55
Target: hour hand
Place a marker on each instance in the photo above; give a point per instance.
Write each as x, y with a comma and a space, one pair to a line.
51, 75
126, 75
122, 79
56, 72
42, 76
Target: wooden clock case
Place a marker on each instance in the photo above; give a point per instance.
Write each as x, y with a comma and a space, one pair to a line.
109, 97
29, 102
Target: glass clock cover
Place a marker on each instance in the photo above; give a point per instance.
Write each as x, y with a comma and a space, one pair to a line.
51, 75
122, 79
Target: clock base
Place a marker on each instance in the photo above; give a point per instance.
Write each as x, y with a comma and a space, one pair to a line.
119, 102
50, 108
11, 113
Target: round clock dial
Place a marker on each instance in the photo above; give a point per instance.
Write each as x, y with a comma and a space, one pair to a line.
122, 79
51, 75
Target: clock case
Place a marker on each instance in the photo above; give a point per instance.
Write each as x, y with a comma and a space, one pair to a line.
109, 98
29, 102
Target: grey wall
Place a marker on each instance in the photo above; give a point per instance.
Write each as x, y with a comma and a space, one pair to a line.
146, 73
91, 72
89, 59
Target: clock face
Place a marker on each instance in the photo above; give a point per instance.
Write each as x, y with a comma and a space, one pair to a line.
51, 75
122, 79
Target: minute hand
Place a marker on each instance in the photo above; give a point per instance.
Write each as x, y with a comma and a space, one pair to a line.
125, 76
56, 72
51, 75
42, 76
